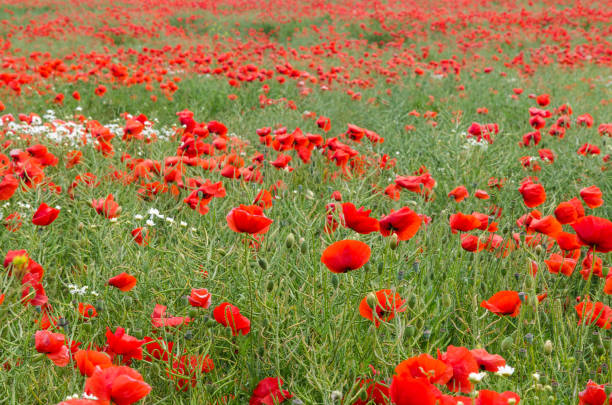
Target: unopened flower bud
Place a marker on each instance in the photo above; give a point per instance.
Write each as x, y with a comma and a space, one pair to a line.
372, 300
336, 396
290, 241
394, 241
548, 347
262, 263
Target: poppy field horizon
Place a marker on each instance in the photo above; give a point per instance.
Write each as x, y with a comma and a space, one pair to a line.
318, 202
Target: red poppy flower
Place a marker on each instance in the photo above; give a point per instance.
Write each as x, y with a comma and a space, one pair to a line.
88, 360
471, 243
157, 348
376, 393
548, 225
248, 219
45, 215
487, 361
123, 281
503, 303
488, 397
160, 320
263, 199
559, 264
8, 186
533, 193
462, 222
567, 241
269, 391
141, 236
359, 220
229, 315
119, 384
568, 212
345, 255
593, 394
107, 206
187, 369
404, 223
592, 196
463, 363
588, 268
87, 310
406, 390
425, 366
459, 193
387, 304
595, 232
123, 344
199, 298
53, 345
543, 100
597, 313
481, 195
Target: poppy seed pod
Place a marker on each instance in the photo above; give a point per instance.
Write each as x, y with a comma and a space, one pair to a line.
507, 343
262, 263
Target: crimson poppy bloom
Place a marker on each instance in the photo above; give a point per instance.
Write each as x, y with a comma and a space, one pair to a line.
488, 397
359, 220
533, 193
387, 304
503, 303
548, 225
120, 384
595, 232
346, 255
568, 212
186, 370
593, 394
87, 310
559, 264
248, 219
425, 366
462, 222
159, 318
488, 361
481, 195
471, 243
123, 281
463, 363
229, 315
597, 313
407, 390
592, 196
88, 360
107, 206
567, 241
199, 298
459, 193
123, 344
269, 391
404, 223
45, 215
8, 186
53, 345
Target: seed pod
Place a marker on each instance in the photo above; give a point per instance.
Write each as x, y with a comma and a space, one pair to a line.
262, 263
507, 343
270, 285
410, 330
548, 347
290, 241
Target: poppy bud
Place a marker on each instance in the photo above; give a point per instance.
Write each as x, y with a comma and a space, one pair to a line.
270, 285
303, 246
447, 301
507, 343
412, 299
548, 347
336, 396
211, 322
410, 330
193, 313
381, 267
80, 226
334, 280
99, 305
539, 249
372, 300
309, 195
290, 241
262, 263
394, 241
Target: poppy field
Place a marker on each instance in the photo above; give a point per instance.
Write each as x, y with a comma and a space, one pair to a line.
306, 202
